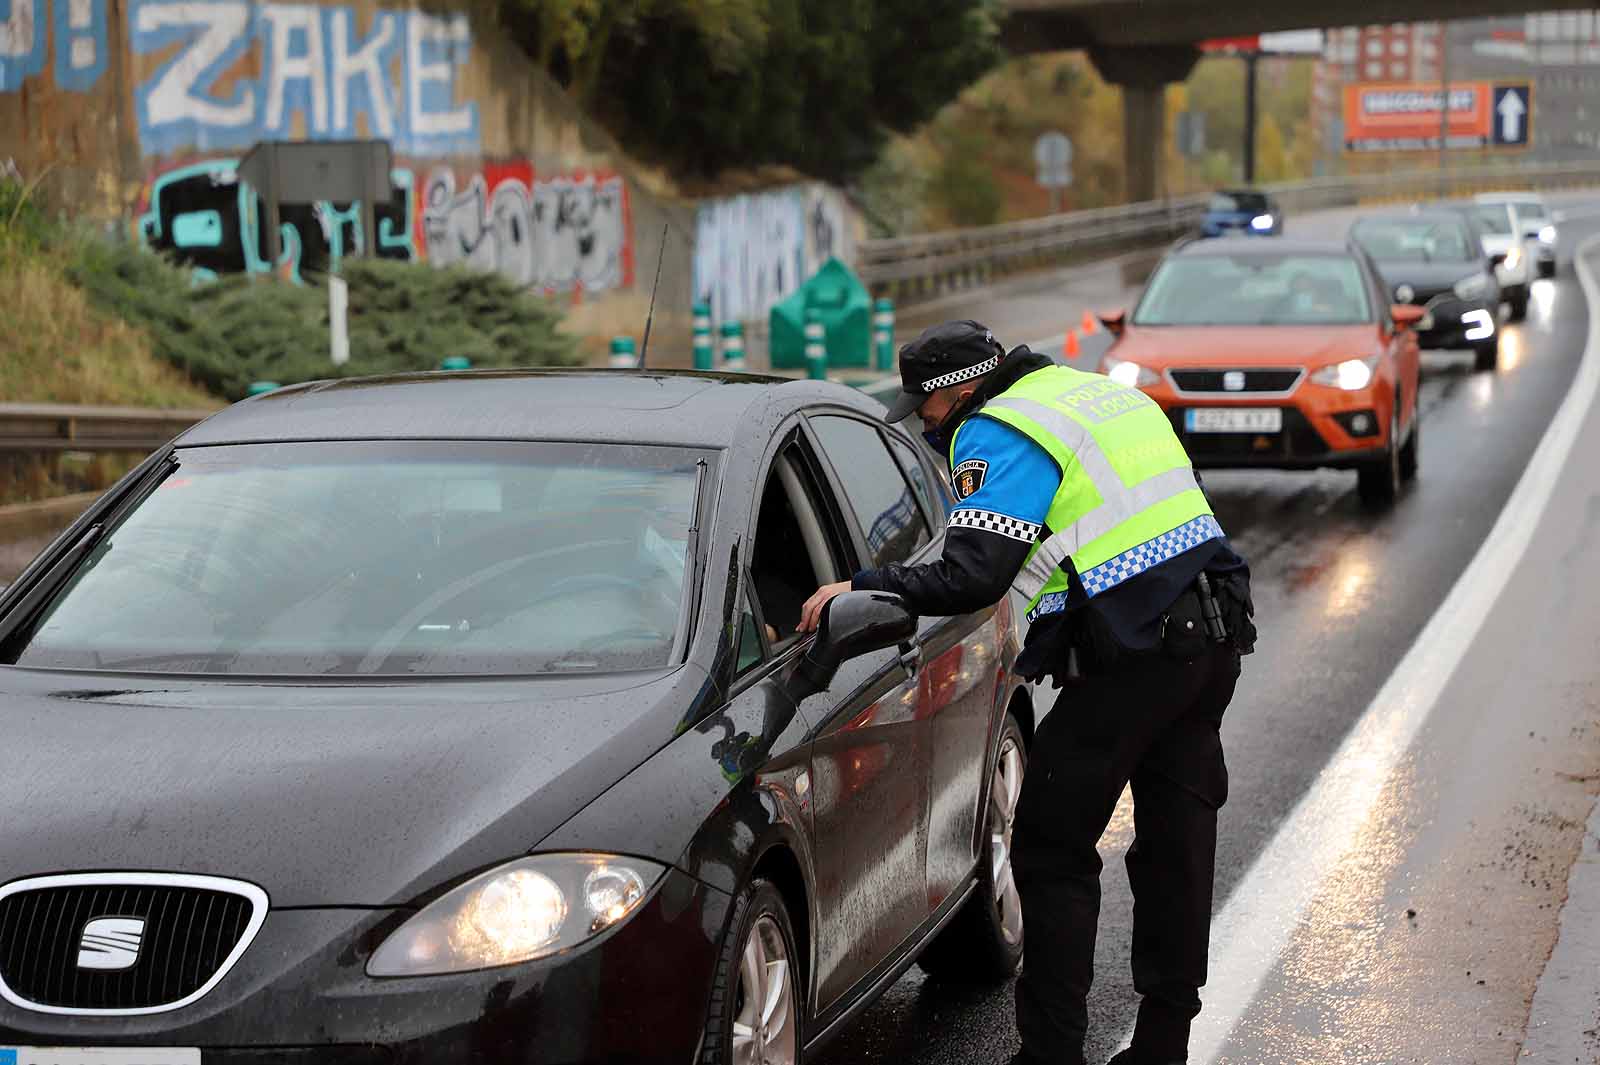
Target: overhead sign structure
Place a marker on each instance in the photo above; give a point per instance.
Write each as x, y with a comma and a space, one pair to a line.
1290, 42
1404, 116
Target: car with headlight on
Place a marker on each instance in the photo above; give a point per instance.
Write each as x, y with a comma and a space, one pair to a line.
1434, 259
1242, 212
1535, 223
1282, 354
1514, 266
462, 718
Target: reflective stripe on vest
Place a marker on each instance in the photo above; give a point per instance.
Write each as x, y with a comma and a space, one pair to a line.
1111, 525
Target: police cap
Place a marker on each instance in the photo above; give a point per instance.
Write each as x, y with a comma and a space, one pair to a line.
944, 355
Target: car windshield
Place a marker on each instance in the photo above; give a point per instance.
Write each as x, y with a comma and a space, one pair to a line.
1531, 209
1495, 218
1420, 239
1255, 289
386, 558
1239, 202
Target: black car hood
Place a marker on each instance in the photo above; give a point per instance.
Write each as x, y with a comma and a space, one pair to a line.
1424, 276
325, 795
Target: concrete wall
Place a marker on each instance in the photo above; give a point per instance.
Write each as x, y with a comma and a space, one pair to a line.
137, 110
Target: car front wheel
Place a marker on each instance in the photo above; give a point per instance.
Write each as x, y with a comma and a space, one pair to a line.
1519, 303
1378, 482
1486, 356
754, 1017
983, 943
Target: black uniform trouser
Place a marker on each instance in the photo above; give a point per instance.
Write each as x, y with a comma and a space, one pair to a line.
1154, 723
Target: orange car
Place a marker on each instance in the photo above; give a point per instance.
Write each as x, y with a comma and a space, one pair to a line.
1280, 354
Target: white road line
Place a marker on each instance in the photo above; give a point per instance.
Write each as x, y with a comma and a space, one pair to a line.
1255, 925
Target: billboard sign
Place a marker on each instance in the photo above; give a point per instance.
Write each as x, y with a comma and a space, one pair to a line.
1404, 116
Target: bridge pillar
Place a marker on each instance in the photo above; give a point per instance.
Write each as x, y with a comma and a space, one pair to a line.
1143, 75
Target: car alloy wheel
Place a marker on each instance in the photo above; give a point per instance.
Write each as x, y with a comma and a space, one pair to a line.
1003, 795
765, 1031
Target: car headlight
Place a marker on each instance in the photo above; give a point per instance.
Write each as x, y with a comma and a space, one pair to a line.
1261, 222
1130, 374
1513, 258
1470, 288
520, 911
1547, 235
1352, 375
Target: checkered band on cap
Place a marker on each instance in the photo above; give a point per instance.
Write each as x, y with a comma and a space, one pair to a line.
992, 521
958, 376
1151, 553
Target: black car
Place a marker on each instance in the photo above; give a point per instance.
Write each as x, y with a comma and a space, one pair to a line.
462, 718
1434, 258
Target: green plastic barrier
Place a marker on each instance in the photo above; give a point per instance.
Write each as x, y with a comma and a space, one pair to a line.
842, 305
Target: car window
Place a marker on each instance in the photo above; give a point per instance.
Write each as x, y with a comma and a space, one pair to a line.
1495, 218
1231, 202
386, 558
796, 548
751, 649
1415, 239
875, 488
1255, 289
932, 503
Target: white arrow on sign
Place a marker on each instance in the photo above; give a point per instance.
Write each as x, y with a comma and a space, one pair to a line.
1511, 111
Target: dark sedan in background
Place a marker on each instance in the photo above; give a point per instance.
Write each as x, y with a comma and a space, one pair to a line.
462, 718
1434, 259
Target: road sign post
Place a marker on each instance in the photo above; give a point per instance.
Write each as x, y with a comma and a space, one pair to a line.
1053, 152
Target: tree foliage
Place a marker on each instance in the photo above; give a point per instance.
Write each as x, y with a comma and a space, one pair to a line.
712, 85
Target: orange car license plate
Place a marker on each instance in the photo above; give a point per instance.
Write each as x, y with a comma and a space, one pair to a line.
1233, 420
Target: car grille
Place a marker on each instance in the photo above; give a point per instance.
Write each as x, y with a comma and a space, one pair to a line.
1209, 380
188, 934
1298, 440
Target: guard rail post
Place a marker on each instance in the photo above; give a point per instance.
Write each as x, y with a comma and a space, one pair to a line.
704, 349
733, 346
816, 346
883, 333
622, 354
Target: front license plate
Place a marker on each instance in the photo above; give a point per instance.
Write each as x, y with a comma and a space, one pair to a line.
1233, 420
99, 1056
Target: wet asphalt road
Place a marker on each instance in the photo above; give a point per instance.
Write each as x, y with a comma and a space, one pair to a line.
1341, 593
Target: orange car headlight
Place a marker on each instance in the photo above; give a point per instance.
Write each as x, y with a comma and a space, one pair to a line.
1129, 374
1352, 375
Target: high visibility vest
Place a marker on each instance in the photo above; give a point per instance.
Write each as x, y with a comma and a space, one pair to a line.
1128, 498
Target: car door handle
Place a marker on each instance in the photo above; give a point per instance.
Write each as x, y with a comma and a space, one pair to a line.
910, 660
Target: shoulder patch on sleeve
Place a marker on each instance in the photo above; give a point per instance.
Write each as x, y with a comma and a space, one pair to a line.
967, 478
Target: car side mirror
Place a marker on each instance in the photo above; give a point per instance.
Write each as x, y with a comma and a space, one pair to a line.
853, 624
1407, 315
1116, 322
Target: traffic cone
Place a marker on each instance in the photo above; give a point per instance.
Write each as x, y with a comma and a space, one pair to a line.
1091, 325
1070, 349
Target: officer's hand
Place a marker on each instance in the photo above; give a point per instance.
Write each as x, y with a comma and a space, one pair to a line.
811, 613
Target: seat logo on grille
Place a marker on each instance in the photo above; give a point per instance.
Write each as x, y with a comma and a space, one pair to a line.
110, 943
1233, 381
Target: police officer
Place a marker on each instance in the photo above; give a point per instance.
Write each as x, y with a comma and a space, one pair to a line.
1075, 490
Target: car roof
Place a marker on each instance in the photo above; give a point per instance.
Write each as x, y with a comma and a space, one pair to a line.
671, 407
1438, 213
1261, 246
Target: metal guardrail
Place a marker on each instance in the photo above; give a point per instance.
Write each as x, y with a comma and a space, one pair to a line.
64, 427
919, 267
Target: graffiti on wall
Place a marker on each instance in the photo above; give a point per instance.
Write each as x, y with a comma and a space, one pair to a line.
564, 234
320, 76
561, 235
752, 252
206, 217
78, 28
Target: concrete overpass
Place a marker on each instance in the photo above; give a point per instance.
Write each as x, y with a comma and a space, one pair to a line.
1144, 45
